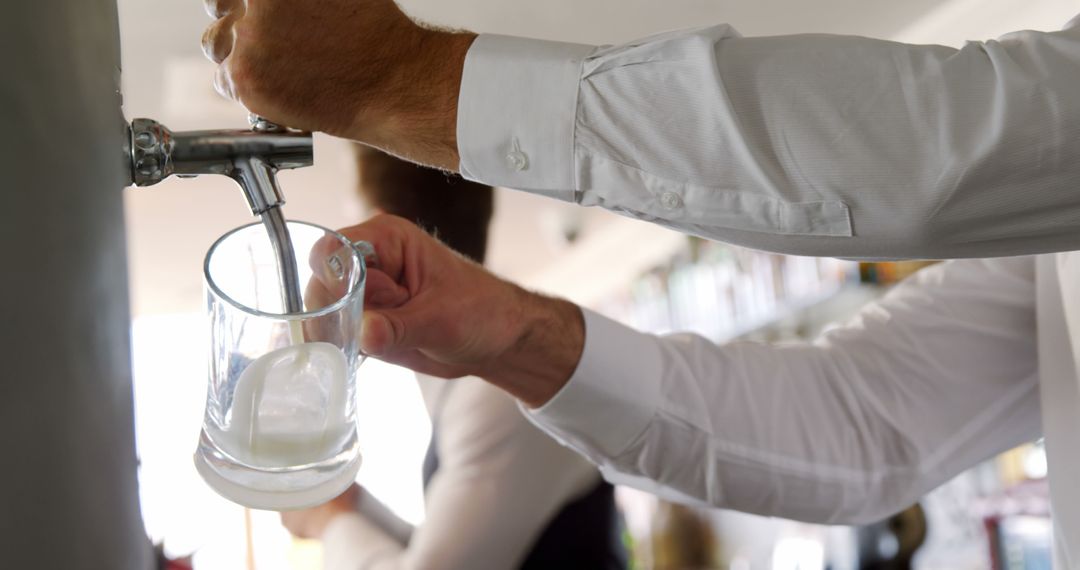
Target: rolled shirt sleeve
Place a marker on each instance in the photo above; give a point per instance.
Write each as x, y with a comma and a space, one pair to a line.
809, 144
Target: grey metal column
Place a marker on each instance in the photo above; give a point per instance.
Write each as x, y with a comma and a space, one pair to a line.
68, 493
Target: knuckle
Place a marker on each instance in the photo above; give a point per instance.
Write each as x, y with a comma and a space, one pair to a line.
217, 41
223, 83
219, 8
213, 8
208, 40
397, 330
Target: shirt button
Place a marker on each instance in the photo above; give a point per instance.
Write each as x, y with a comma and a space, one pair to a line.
670, 200
517, 160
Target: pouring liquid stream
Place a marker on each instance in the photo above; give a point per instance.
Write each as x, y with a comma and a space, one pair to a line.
292, 299
292, 302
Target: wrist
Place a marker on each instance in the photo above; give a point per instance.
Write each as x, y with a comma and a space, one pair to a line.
414, 114
547, 345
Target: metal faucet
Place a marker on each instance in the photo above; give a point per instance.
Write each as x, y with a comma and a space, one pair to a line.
251, 158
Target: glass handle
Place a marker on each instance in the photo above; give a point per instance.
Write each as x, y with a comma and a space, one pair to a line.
367, 252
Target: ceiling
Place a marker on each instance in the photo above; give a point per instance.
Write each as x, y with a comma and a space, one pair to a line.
165, 77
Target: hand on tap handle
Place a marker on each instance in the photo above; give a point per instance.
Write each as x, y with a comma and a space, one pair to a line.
358, 69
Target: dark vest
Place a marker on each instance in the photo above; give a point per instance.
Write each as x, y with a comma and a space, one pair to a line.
584, 535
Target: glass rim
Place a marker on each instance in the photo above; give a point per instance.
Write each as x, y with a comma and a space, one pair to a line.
336, 305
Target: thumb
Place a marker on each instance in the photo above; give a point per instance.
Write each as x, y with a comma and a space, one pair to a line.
382, 332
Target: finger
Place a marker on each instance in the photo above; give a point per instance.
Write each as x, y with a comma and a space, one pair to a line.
223, 82
290, 522
381, 292
222, 8
321, 251
390, 237
381, 333
219, 37
327, 265
317, 296
419, 362
389, 331
331, 264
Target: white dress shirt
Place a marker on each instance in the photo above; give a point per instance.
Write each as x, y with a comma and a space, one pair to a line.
823, 145
813, 144
500, 482
952, 367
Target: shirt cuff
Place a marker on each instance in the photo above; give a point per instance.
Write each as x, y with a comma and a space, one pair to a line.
516, 114
611, 397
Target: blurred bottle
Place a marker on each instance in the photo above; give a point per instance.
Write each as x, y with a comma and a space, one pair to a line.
683, 538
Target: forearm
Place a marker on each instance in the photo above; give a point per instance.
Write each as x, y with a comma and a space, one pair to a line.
414, 115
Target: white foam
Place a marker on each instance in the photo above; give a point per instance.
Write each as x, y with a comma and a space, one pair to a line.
289, 407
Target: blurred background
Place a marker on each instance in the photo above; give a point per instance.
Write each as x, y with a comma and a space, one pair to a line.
995, 516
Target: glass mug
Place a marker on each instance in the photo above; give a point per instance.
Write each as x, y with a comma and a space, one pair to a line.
279, 431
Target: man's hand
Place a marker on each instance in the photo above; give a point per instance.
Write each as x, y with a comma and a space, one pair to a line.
430, 309
358, 69
311, 523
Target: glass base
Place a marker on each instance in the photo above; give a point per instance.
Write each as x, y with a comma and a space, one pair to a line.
279, 500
